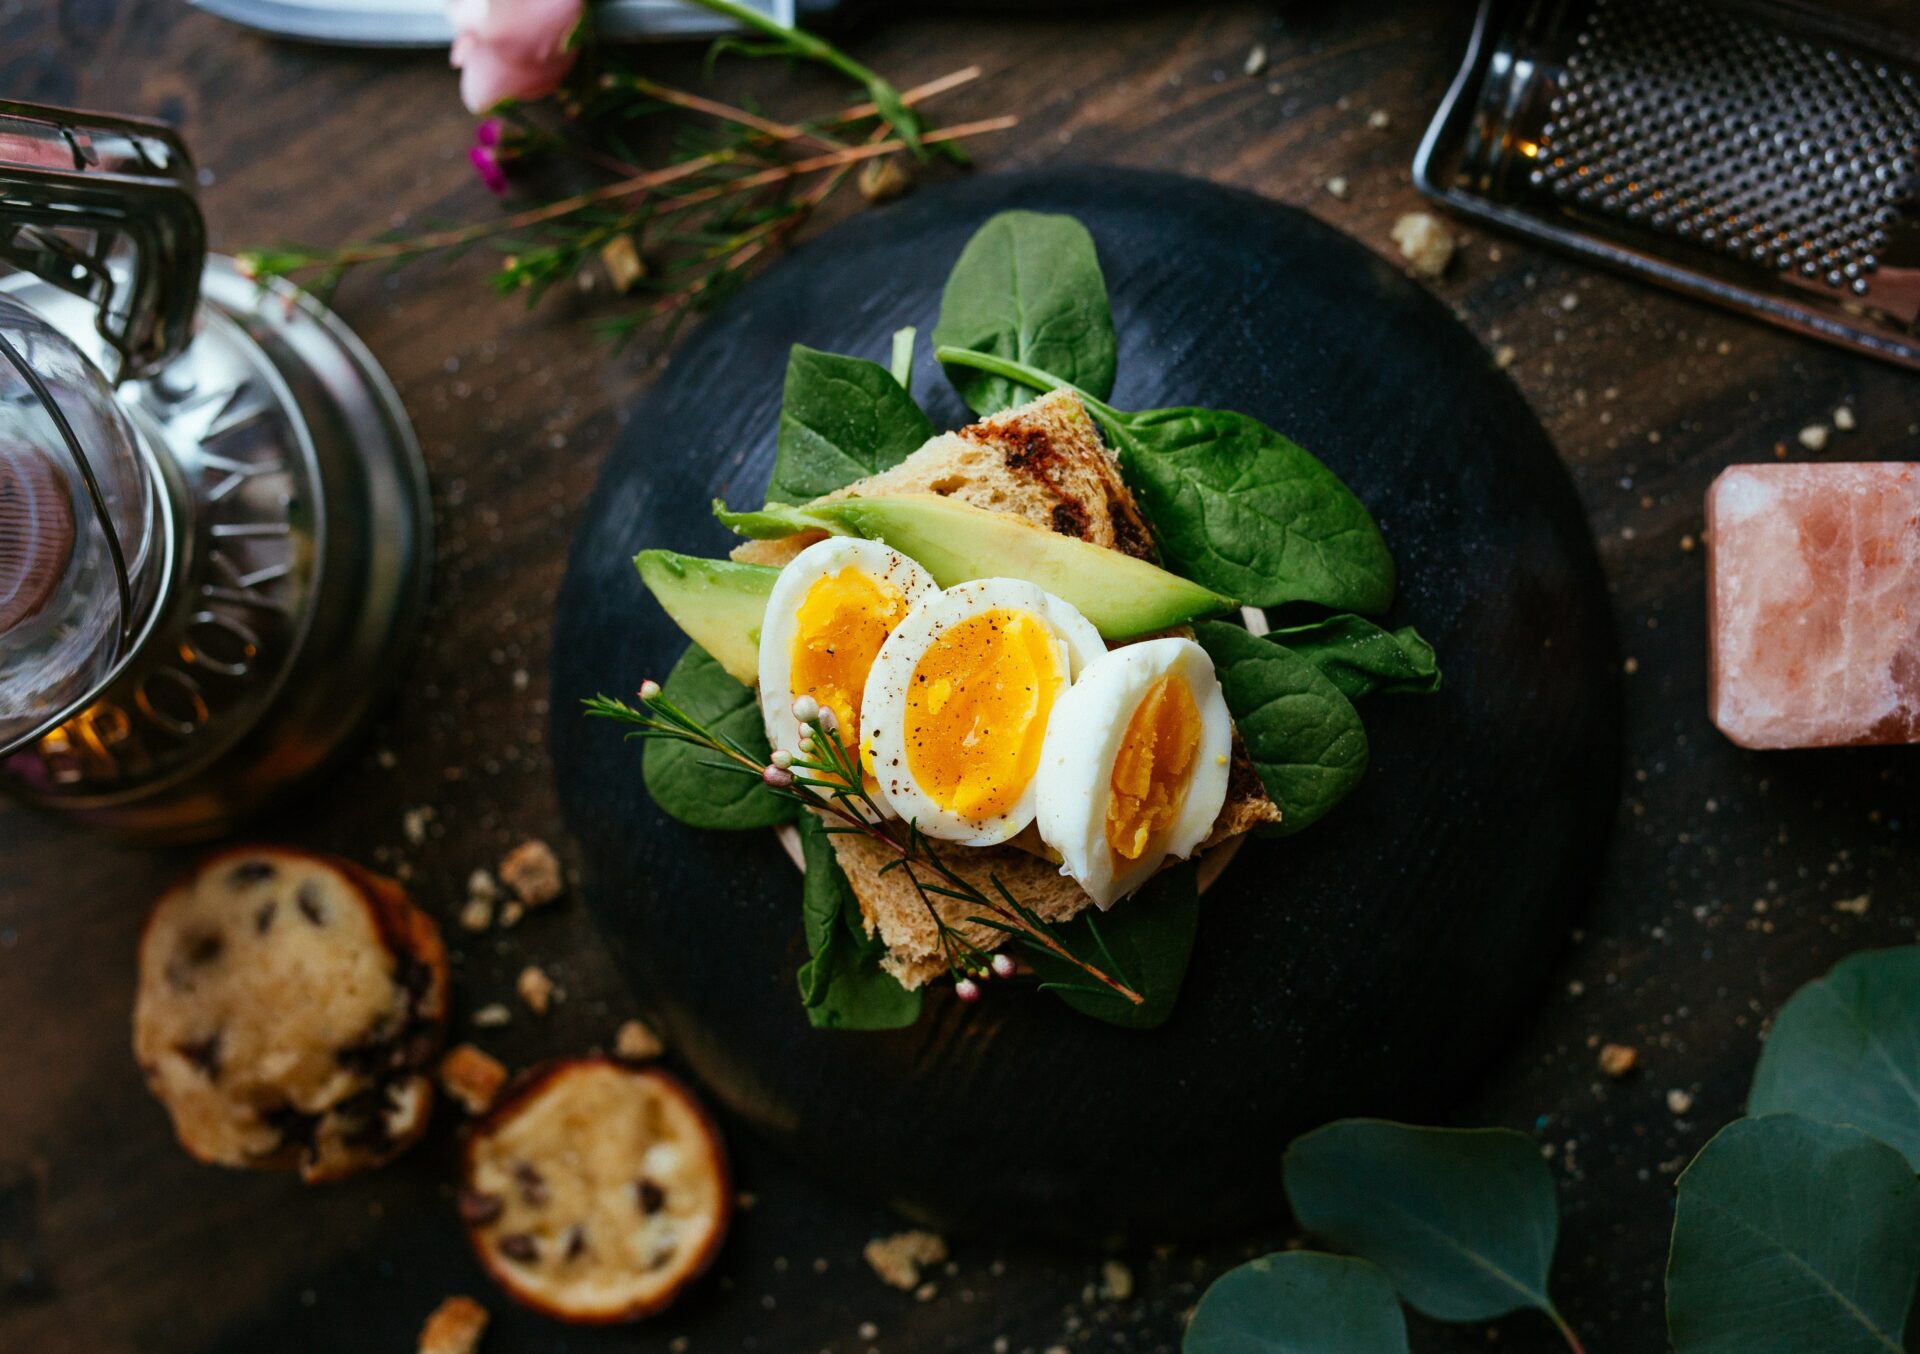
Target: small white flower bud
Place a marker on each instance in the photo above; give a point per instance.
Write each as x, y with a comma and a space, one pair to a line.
806, 709
1003, 965
829, 721
967, 990
649, 689
778, 777
782, 758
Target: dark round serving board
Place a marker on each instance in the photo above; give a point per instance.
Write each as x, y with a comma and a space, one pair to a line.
1372, 965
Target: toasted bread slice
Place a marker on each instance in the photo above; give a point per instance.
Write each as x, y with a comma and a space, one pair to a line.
1043, 462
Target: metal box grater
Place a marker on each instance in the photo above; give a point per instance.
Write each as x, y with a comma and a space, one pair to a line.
1760, 153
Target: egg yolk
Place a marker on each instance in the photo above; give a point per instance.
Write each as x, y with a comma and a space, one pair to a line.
977, 711
1152, 768
841, 624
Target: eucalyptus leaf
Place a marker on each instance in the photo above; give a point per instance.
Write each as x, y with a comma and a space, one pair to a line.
842, 985
1462, 1220
1298, 1302
1845, 1049
1235, 506
841, 419
682, 778
1303, 736
1362, 659
1790, 1237
1148, 935
1028, 287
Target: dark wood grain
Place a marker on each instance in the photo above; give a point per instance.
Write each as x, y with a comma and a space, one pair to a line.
1716, 902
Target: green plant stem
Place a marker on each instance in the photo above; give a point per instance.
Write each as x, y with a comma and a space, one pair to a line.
1566, 1331
1032, 377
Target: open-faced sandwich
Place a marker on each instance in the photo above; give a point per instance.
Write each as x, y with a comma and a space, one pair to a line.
985, 687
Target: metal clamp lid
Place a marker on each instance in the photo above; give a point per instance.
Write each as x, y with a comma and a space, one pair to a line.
103, 207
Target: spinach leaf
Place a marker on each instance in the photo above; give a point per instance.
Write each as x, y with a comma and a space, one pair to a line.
843, 986
1149, 936
1845, 1049
1236, 506
1298, 1302
679, 775
1462, 1220
841, 419
1791, 1236
1361, 658
1028, 287
1304, 737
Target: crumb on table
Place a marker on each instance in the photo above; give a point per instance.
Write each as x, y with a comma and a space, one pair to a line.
472, 1076
1618, 1060
536, 989
636, 1042
1424, 244
532, 871
898, 1259
455, 1327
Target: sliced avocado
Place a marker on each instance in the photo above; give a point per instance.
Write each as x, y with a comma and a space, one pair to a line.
1122, 596
719, 603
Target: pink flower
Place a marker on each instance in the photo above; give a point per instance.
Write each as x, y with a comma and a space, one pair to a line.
486, 163
511, 49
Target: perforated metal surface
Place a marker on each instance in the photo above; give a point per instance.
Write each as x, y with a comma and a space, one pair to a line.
1719, 129
1764, 154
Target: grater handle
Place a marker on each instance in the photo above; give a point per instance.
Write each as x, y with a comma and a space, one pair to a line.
104, 207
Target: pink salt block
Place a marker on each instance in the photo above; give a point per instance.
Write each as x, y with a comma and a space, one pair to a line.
1813, 604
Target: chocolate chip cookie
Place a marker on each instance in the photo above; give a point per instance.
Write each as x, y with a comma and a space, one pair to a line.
288, 1013
596, 1191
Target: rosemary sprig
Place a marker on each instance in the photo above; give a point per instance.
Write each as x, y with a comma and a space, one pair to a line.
827, 777
677, 236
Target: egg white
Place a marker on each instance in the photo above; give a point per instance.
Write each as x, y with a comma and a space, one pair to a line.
1074, 783
779, 628
1076, 645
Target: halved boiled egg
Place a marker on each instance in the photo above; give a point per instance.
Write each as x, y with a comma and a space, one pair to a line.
828, 614
1134, 767
959, 700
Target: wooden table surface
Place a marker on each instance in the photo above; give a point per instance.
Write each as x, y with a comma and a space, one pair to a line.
1718, 900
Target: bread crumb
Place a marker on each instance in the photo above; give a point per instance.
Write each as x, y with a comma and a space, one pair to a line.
1256, 61
1337, 185
884, 179
1116, 1281
1843, 418
511, 912
1856, 907
1679, 1101
455, 1327
414, 822
926, 1292
476, 914
1379, 119
535, 988
532, 871
636, 1042
482, 887
492, 1016
473, 1077
1503, 356
620, 256
897, 1259
1618, 1060
868, 1331
1424, 243
1814, 437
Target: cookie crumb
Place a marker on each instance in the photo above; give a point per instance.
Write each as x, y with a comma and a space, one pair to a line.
413, 823
476, 914
1503, 356
620, 256
1424, 243
482, 887
536, 989
1843, 418
1618, 1060
884, 179
1337, 186
897, 1259
1856, 907
472, 1076
1814, 437
532, 871
1256, 61
510, 913
636, 1042
492, 1016
1116, 1281
455, 1327
1379, 119
1679, 1101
